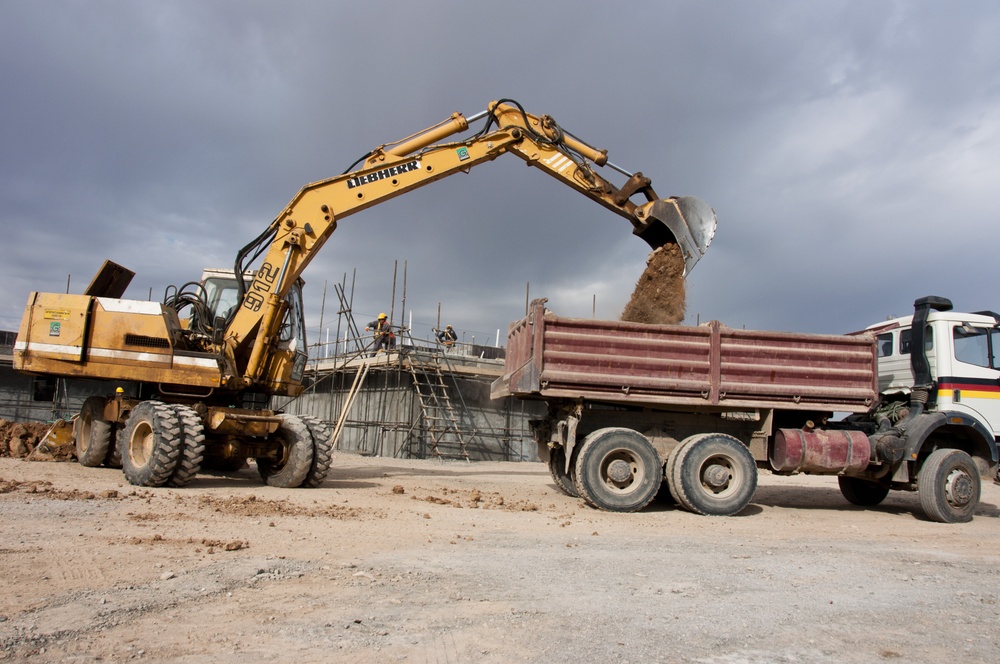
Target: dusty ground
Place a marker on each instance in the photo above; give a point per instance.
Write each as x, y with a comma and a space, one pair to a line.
659, 294
420, 561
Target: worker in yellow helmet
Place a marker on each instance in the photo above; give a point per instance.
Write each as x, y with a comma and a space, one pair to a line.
384, 336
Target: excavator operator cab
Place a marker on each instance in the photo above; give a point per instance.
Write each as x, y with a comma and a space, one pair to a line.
222, 297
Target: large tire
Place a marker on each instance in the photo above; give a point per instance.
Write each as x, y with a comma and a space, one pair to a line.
668, 468
948, 485
192, 447
714, 474
322, 435
617, 470
862, 492
295, 455
557, 468
150, 444
92, 433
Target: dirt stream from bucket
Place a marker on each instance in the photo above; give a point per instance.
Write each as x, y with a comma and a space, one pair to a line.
658, 297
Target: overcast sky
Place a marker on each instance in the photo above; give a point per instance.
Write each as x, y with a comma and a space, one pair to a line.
851, 150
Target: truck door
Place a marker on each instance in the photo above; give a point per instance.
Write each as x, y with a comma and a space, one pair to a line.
974, 386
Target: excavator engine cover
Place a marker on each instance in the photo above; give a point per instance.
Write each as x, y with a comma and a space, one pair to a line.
686, 220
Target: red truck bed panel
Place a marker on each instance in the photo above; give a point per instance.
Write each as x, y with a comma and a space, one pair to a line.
665, 365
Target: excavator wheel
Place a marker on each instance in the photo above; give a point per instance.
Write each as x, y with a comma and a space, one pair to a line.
92, 433
192, 449
150, 444
322, 435
294, 458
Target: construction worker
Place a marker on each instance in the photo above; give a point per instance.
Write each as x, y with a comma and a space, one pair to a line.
447, 336
384, 337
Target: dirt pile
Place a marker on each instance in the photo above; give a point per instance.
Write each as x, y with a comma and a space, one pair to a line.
658, 297
19, 439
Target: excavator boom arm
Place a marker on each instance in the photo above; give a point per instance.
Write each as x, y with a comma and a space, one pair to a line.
301, 229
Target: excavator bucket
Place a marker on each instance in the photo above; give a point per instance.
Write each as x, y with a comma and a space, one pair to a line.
58, 443
685, 220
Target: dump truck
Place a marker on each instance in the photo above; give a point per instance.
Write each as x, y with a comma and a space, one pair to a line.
694, 412
203, 365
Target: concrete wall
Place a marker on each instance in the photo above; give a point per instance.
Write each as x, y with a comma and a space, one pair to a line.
386, 417
25, 398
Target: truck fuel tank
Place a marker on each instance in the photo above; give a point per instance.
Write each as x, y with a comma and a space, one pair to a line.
819, 451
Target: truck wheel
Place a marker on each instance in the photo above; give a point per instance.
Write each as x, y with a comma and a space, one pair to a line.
557, 468
948, 486
150, 444
617, 470
668, 468
295, 455
92, 433
322, 435
714, 474
192, 447
862, 492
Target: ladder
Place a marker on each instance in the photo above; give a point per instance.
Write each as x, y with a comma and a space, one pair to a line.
439, 414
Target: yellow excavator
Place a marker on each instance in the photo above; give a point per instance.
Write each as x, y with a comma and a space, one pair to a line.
208, 359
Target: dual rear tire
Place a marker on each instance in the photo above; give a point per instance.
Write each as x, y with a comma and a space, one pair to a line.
712, 474
161, 444
617, 470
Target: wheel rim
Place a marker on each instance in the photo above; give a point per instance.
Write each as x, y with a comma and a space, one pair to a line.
958, 488
140, 446
84, 439
621, 472
719, 476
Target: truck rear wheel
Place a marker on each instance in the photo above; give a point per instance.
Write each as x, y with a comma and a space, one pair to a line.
713, 474
295, 455
150, 444
617, 470
862, 492
322, 436
948, 486
668, 468
92, 433
192, 446
557, 468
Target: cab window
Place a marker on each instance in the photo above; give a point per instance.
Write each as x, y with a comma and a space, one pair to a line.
884, 343
973, 345
905, 342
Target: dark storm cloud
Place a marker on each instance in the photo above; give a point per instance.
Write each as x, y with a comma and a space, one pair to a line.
849, 149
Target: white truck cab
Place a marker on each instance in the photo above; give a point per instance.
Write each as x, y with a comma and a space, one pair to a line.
963, 354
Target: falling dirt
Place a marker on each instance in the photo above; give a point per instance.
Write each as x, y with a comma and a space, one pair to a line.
658, 297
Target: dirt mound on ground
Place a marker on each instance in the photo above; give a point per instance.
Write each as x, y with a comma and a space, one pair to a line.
658, 297
20, 439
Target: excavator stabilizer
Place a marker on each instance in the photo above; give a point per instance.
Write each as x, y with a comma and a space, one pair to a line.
686, 220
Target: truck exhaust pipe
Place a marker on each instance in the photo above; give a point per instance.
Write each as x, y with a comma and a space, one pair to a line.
686, 221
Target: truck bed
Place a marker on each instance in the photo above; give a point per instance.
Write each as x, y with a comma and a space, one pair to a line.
710, 366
